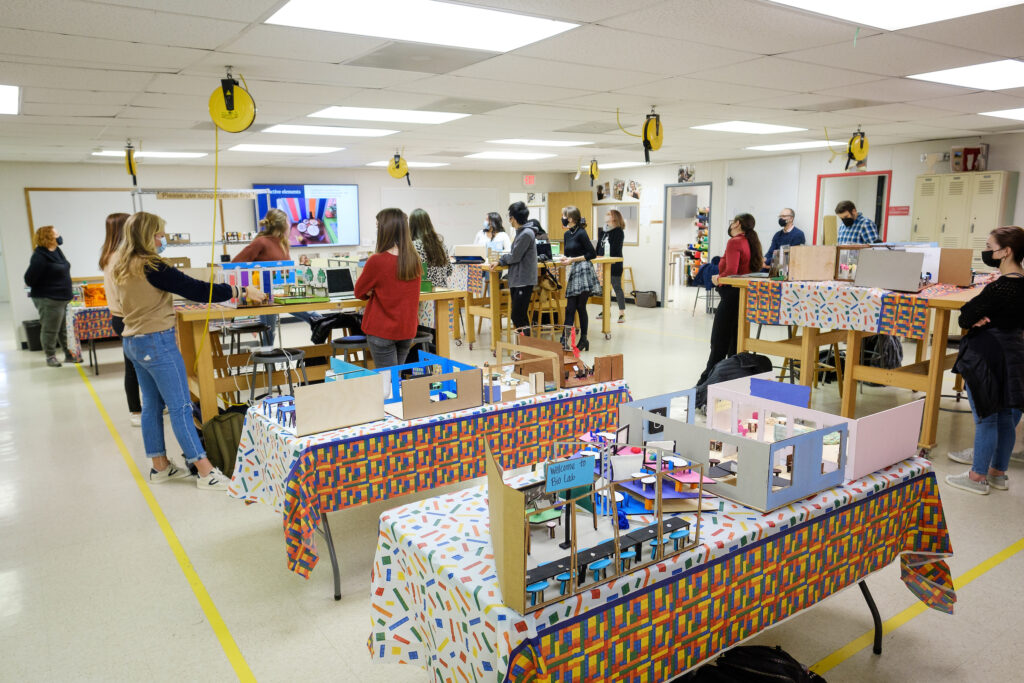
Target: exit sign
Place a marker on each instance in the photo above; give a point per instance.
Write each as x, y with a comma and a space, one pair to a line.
529, 180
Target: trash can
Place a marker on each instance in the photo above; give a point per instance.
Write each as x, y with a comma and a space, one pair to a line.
32, 330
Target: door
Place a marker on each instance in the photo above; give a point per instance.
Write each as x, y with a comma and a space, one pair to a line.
583, 201
954, 210
924, 227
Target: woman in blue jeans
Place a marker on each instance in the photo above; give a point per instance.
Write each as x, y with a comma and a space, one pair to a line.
144, 284
991, 360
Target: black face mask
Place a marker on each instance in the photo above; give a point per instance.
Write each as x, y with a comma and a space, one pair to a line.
60, 241
565, 222
782, 222
989, 260
848, 221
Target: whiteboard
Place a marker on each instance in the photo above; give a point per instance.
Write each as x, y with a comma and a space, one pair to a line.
457, 214
80, 215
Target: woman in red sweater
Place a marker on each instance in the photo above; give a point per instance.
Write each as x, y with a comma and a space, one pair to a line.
742, 255
390, 283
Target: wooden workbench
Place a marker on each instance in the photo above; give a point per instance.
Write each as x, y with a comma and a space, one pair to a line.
202, 365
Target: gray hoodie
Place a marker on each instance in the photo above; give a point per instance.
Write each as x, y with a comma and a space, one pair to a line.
522, 259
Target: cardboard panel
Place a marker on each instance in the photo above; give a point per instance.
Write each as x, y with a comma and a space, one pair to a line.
885, 438
333, 405
955, 267
416, 399
809, 262
507, 508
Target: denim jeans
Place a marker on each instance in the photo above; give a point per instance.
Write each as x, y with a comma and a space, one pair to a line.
388, 352
993, 438
131, 380
162, 378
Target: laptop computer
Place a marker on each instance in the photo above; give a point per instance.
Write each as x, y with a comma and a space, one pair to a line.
899, 271
339, 284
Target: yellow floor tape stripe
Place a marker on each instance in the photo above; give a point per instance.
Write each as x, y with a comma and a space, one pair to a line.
893, 623
220, 629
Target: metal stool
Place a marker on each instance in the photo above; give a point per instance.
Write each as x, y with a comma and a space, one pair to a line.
421, 338
269, 360
235, 330
352, 344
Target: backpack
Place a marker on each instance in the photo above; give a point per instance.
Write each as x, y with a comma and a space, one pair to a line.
752, 664
221, 436
741, 365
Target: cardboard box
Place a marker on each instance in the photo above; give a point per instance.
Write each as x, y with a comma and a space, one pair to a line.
955, 267
812, 262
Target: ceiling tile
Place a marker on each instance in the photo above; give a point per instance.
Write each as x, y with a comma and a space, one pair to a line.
698, 90
515, 69
492, 89
288, 42
893, 90
784, 74
974, 103
975, 122
33, 94
432, 59
238, 10
738, 24
94, 51
997, 32
63, 109
46, 76
291, 71
896, 112
579, 11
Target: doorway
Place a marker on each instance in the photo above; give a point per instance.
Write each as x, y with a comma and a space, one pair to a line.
868, 191
687, 239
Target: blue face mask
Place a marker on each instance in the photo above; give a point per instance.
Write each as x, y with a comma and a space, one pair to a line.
160, 249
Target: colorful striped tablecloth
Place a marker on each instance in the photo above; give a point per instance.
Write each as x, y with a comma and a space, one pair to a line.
304, 477
436, 603
85, 323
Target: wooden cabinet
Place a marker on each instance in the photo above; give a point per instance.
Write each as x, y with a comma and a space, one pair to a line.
584, 201
958, 210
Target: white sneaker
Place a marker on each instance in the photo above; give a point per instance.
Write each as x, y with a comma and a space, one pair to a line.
214, 481
1017, 457
964, 457
170, 472
135, 419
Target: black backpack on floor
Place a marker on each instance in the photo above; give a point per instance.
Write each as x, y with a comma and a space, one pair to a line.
752, 664
741, 365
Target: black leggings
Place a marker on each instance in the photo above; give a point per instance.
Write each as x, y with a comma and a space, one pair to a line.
521, 306
724, 329
131, 380
577, 306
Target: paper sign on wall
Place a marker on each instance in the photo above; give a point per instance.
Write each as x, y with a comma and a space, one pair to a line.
567, 474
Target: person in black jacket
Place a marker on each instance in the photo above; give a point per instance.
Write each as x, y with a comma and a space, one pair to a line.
613, 235
991, 360
583, 282
49, 277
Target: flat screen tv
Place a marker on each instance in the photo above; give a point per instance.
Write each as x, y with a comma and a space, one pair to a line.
320, 215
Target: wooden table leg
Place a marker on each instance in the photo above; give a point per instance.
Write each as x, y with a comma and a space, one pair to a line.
495, 286
455, 311
743, 327
441, 335
936, 358
203, 371
606, 299
849, 403
470, 319
808, 356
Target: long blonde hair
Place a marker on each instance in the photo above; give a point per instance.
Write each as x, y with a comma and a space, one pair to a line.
393, 230
137, 252
276, 224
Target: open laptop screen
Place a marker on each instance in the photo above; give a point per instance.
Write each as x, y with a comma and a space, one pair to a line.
339, 281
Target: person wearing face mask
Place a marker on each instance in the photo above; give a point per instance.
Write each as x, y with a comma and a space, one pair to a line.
789, 235
742, 256
144, 284
522, 264
583, 282
493, 236
49, 279
856, 228
991, 360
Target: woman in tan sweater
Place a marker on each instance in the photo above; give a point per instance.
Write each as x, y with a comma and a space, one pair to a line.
144, 283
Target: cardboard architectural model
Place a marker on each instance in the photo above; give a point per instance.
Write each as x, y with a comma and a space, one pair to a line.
573, 567
763, 476
269, 276
875, 441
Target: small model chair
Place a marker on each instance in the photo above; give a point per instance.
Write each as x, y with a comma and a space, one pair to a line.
564, 578
677, 536
534, 588
654, 546
269, 360
626, 558
600, 567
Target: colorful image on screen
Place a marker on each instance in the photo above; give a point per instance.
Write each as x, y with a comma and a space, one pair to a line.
320, 215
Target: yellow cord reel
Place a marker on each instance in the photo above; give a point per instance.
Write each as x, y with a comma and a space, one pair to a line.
652, 133
857, 149
398, 169
232, 108
594, 171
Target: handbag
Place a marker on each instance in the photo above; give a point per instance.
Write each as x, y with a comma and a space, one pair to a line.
548, 281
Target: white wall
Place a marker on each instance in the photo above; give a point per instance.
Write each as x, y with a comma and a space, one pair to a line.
15, 240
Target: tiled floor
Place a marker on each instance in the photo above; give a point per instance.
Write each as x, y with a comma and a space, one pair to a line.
90, 590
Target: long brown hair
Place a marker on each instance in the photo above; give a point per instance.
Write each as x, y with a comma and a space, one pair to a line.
137, 253
617, 218
494, 224
747, 222
1011, 237
115, 233
421, 228
572, 213
276, 224
45, 237
393, 231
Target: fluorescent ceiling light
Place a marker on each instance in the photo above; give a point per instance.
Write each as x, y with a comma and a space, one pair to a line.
748, 127
390, 115
510, 156
1015, 114
421, 21
615, 164
1006, 73
330, 130
9, 99
892, 16
539, 143
411, 164
150, 155
284, 149
792, 145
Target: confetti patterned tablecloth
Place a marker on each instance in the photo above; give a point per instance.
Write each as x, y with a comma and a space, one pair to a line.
436, 602
85, 323
842, 306
468, 277
305, 476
